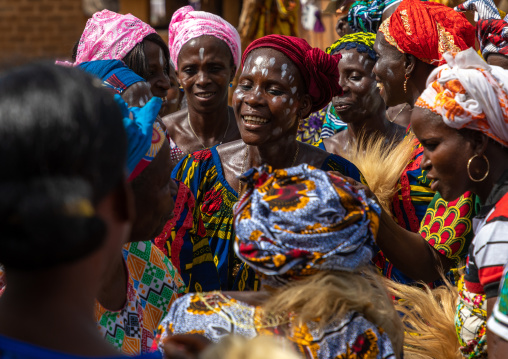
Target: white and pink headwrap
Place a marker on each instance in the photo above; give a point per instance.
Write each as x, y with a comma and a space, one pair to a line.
469, 93
110, 36
187, 24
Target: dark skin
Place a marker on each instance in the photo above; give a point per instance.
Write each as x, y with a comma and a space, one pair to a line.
153, 198
409, 251
268, 102
391, 70
342, 26
445, 157
498, 60
400, 114
360, 106
65, 304
205, 69
159, 75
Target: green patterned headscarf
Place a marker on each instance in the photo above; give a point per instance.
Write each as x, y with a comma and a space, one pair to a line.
363, 42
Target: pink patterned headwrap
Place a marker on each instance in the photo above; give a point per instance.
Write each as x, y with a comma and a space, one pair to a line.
187, 24
110, 36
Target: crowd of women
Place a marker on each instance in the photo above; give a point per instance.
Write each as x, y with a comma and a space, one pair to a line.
350, 203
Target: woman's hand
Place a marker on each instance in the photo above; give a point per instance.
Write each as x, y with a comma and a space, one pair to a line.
184, 346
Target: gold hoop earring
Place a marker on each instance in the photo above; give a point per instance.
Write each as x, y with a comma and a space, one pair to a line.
405, 82
469, 172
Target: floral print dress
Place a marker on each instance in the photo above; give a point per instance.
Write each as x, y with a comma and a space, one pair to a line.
202, 172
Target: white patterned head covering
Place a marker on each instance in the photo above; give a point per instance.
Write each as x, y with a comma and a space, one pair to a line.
469, 93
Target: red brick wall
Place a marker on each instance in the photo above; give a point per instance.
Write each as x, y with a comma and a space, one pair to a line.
32, 29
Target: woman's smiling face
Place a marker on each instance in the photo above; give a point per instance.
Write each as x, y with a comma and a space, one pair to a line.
270, 97
360, 96
205, 69
389, 71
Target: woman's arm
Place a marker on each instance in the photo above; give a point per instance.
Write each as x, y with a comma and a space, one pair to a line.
410, 252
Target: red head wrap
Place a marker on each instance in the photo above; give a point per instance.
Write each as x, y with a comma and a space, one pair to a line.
318, 69
427, 30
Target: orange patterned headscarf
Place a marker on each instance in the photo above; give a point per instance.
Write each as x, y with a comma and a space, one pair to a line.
469, 93
427, 30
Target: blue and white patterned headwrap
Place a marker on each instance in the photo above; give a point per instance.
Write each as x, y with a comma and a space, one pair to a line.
366, 15
298, 221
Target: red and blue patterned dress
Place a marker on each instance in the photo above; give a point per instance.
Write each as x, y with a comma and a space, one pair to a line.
202, 172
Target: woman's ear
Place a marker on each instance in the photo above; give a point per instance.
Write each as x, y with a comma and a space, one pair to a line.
233, 73
480, 143
305, 107
409, 64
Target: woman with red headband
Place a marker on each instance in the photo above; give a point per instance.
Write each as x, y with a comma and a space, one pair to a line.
410, 44
283, 79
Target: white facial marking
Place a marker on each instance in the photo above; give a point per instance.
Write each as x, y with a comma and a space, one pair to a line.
291, 101
291, 79
201, 53
259, 60
284, 68
264, 72
284, 100
161, 58
293, 90
272, 61
287, 111
274, 99
141, 102
390, 72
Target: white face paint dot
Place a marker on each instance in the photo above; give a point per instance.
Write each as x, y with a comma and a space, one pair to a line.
291, 101
141, 102
259, 60
274, 99
287, 111
293, 90
272, 61
201, 53
284, 100
264, 72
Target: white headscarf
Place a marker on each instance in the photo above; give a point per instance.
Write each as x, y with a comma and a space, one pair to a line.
469, 93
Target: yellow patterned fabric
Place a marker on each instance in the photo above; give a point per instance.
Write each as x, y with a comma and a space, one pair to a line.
216, 315
298, 221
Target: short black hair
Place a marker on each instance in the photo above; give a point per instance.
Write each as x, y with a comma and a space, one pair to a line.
136, 59
62, 150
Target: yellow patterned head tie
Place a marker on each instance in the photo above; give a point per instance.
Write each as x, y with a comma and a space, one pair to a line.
427, 30
295, 222
363, 42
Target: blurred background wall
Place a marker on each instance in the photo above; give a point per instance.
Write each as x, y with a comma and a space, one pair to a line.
31, 29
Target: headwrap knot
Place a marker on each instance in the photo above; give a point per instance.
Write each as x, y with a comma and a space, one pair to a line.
187, 24
468, 93
297, 221
319, 70
427, 30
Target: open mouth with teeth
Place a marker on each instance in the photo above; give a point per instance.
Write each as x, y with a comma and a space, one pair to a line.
254, 120
205, 94
342, 106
